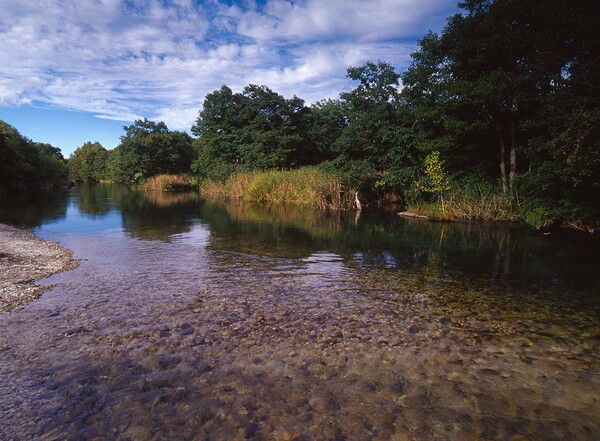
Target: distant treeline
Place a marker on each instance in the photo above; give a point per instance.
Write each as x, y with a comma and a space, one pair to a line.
497, 116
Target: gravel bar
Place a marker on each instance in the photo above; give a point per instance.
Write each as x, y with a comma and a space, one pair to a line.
25, 258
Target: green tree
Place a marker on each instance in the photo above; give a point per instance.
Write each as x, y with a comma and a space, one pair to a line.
26, 165
149, 148
328, 119
256, 129
52, 165
372, 114
375, 150
88, 163
510, 88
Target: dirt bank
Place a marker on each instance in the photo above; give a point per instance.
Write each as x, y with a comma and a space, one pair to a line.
25, 258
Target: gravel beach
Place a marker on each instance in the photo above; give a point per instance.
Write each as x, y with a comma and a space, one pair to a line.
25, 258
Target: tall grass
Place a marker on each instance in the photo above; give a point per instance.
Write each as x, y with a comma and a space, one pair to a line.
472, 200
170, 183
482, 201
309, 186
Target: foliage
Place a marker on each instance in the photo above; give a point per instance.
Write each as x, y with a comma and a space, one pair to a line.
256, 129
26, 165
88, 163
373, 149
51, 165
147, 149
435, 179
509, 90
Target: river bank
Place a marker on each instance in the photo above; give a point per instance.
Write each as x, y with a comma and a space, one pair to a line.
24, 259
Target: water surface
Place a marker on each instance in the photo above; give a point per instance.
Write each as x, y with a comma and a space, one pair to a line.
195, 319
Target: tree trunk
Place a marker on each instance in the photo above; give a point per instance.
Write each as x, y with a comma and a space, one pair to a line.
513, 146
502, 162
513, 157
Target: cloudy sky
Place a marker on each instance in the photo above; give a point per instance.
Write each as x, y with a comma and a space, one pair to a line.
78, 70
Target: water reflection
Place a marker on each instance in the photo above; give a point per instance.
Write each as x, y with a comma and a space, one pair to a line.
35, 209
496, 252
192, 319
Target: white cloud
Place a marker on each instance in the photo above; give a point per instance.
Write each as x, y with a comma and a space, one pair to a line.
324, 20
159, 58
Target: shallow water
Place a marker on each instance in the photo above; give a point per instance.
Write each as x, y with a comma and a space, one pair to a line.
192, 319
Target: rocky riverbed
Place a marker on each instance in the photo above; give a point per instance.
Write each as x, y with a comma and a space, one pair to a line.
249, 330
25, 258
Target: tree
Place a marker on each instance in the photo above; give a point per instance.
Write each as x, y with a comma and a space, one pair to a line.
256, 129
88, 163
371, 113
327, 121
148, 148
435, 178
375, 150
521, 76
52, 166
25, 165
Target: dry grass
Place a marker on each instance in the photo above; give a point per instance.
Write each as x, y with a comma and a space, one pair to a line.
304, 186
170, 183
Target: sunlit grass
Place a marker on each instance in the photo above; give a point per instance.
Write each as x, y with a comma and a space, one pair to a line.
303, 186
170, 183
471, 201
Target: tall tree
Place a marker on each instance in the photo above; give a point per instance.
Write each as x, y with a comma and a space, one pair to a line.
254, 129
375, 149
148, 148
520, 75
88, 163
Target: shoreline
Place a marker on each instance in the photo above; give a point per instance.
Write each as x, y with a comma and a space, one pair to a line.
565, 227
25, 259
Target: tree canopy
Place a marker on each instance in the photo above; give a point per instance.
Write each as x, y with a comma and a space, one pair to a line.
149, 148
88, 163
256, 129
26, 165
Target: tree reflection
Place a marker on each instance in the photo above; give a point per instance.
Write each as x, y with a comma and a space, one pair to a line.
494, 252
145, 215
487, 250
35, 209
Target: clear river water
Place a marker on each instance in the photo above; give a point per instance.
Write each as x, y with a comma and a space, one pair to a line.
191, 319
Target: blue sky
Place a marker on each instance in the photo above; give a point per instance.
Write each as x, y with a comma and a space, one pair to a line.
78, 70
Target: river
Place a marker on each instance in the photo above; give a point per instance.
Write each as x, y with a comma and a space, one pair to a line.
214, 320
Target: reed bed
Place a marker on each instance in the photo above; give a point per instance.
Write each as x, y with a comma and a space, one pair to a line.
167, 182
309, 186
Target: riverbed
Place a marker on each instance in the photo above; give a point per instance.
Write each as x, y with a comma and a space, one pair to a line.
194, 319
